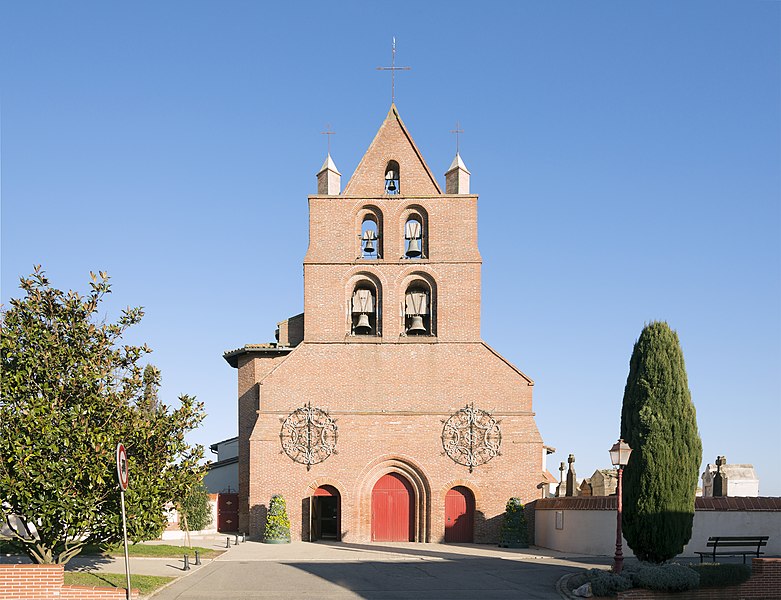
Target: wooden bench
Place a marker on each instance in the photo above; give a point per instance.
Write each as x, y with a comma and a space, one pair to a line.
742, 541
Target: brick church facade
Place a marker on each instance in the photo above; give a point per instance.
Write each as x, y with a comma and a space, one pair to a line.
380, 414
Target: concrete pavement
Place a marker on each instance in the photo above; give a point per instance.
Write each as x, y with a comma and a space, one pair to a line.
380, 571
340, 571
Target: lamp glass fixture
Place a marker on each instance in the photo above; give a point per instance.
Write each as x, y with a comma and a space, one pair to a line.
619, 453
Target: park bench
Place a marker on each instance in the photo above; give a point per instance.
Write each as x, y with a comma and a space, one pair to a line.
731, 545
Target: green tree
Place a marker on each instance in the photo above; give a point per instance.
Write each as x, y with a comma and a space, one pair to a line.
70, 391
659, 422
151, 382
196, 510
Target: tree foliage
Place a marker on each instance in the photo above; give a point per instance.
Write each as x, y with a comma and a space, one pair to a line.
70, 392
659, 422
197, 508
514, 532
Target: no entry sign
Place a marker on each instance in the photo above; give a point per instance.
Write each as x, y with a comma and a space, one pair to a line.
122, 466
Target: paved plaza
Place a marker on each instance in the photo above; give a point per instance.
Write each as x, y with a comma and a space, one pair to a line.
377, 572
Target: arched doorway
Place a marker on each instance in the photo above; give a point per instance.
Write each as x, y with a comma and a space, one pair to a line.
326, 513
393, 511
459, 515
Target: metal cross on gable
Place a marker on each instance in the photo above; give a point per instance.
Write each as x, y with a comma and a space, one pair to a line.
457, 131
393, 68
328, 133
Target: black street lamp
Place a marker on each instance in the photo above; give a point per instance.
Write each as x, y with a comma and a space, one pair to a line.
619, 456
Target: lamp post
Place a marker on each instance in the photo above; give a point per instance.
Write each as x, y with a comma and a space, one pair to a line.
619, 456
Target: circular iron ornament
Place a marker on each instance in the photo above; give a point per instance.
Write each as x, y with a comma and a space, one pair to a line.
471, 437
308, 435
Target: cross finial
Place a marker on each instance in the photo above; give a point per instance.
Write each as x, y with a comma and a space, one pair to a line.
328, 133
457, 131
393, 68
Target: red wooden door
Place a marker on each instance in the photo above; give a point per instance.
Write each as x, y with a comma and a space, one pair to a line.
227, 512
392, 510
459, 515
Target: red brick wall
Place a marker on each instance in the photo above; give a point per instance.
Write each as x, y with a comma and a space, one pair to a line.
44, 582
765, 583
390, 401
390, 393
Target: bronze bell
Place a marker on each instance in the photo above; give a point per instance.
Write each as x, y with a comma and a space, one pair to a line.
363, 326
416, 325
413, 248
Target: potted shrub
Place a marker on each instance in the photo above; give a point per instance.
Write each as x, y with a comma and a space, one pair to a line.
277, 523
514, 533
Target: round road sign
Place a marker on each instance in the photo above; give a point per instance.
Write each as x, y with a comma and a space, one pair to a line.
122, 466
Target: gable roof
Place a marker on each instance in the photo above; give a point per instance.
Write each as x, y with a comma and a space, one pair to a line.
392, 142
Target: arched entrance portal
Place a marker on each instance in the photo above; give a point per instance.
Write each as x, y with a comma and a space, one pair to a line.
393, 510
326, 513
459, 515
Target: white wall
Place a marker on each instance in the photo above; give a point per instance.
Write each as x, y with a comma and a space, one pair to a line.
594, 531
218, 479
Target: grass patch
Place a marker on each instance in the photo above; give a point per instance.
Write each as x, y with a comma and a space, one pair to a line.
154, 551
146, 584
147, 550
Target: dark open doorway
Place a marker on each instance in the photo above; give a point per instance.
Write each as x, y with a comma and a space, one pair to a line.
326, 514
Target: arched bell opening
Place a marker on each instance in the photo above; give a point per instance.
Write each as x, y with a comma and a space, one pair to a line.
370, 233
419, 309
392, 178
415, 233
326, 514
365, 309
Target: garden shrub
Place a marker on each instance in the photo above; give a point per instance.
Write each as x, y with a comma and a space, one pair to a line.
514, 533
721, 575
669, 577
607, 583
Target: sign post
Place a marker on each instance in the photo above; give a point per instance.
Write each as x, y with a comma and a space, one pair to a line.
123, 483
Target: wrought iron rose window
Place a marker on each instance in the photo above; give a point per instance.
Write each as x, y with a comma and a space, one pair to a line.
308, 435
471, 437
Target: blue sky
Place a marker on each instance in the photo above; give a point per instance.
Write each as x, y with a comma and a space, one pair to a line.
626, 156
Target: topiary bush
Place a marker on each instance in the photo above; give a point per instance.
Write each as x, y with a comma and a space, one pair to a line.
277, 523
514, 533
670, 577
719, 575
607, 583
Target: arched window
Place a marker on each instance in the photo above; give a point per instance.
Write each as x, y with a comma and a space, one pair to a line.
414, 238
392, 178
364, 310
418, 309
370, 238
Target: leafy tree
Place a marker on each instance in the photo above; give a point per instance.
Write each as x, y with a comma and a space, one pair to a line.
70, 391
277, 522
196, 510
659, 422
151, 385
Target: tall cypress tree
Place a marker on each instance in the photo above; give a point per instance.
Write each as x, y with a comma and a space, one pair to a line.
659, 422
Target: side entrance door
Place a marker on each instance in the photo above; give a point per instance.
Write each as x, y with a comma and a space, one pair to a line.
459, 515
227, 513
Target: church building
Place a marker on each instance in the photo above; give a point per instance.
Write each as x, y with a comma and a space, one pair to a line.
380, 414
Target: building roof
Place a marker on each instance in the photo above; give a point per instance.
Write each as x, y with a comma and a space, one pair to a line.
457, 164
329, 165
232, 356
213, 447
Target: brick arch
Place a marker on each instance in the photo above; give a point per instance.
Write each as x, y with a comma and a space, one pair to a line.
419, 213
464, 483
415, 475
345, 504
352, 279
407, 279
362, 212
